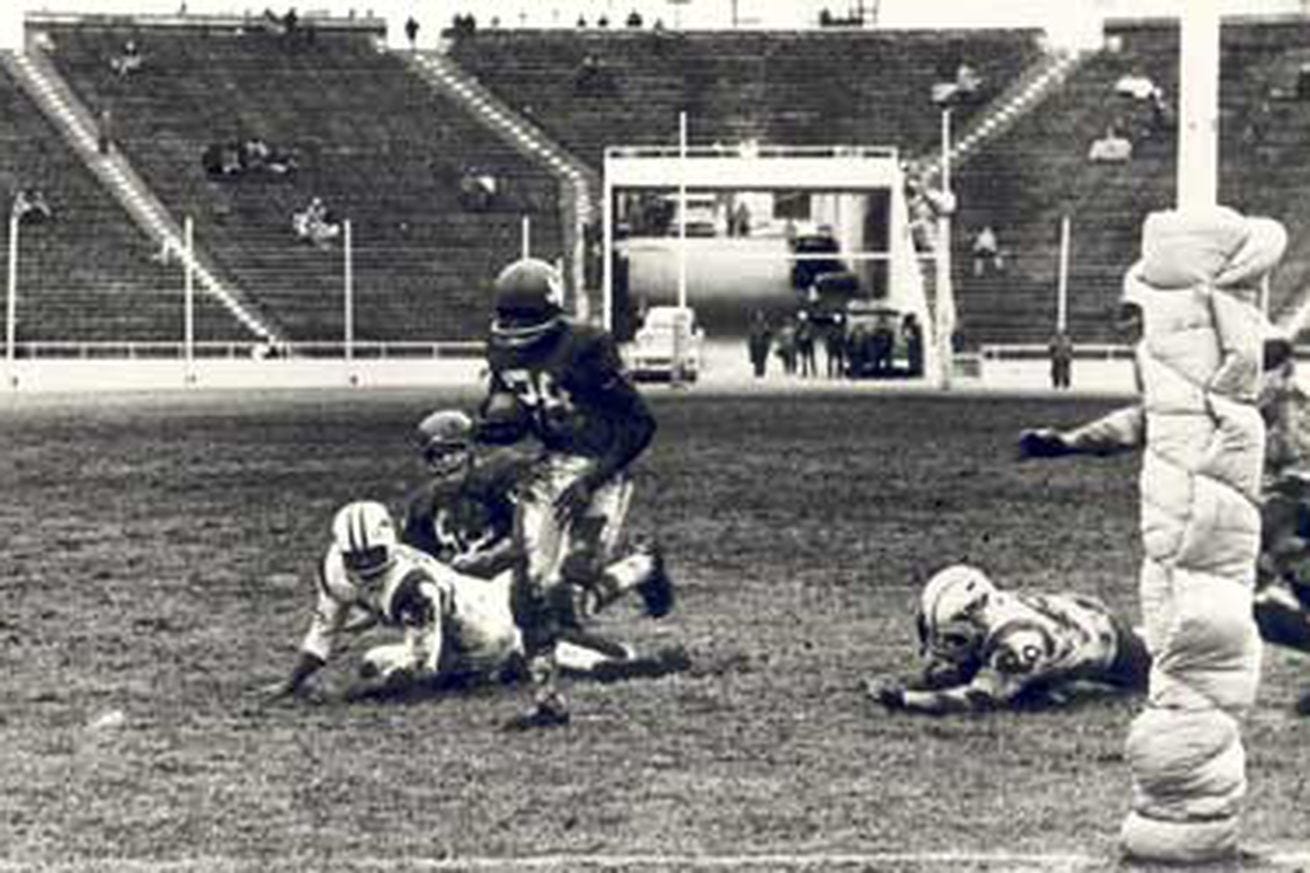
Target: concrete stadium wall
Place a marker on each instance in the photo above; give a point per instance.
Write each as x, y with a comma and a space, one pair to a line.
59, 375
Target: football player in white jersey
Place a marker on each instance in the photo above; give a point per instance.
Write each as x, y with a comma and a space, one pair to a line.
984, 648
455, 627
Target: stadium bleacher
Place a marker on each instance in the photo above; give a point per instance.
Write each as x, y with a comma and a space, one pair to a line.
376, 144
383, 148
87, 274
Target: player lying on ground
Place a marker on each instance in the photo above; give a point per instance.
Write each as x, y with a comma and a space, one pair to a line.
563, 385
456, 628
984, 648
1282, 595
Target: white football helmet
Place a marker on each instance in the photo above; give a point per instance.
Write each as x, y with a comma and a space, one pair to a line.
947, 609
366, 536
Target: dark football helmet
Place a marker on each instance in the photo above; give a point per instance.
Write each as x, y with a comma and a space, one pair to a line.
445, 439
528, 295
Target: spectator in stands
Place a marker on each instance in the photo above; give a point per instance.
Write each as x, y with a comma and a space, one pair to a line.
634, 19
478, 189
104, 131
964, 87
987, 252
758, 341
316, 224
290, 21
1114, 147
593, 78
1061, 352
411, 32
128, 61
1161, 120
912, 337
30, 206
1135, 85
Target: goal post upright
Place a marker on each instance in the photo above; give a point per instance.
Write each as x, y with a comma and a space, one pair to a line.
1198, 104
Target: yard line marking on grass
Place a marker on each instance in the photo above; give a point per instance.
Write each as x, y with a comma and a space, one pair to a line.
797, 861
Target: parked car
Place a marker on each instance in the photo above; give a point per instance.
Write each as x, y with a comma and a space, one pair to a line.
667, 346
821, 258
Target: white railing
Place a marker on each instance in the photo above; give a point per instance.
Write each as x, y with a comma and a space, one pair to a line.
234, 349
757, 151
1036, 351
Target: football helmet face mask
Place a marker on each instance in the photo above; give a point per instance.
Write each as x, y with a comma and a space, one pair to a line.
948, 629
528, 295
366, 536
445, 440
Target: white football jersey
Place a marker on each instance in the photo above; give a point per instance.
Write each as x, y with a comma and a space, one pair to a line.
452, 622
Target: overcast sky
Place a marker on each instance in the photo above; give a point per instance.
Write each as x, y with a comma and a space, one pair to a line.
694, 13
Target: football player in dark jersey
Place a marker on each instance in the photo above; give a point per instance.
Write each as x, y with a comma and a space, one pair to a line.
566, 383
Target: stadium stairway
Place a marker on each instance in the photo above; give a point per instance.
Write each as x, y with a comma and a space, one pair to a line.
1020, 97
578, 184
78, 126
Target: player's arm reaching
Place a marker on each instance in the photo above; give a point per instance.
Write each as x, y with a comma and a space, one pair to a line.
325, 626
1120, 431
1017, 665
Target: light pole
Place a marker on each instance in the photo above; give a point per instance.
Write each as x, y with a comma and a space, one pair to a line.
945, 289
11, 293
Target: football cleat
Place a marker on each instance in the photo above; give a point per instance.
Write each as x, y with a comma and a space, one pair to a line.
657, 589
666, 661
549, 711
366, 536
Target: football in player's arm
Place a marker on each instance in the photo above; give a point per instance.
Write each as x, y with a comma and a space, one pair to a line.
984, 648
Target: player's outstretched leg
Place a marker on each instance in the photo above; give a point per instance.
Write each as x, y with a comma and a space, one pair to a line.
643, 571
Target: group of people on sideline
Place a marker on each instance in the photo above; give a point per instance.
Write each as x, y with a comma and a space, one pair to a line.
853, 347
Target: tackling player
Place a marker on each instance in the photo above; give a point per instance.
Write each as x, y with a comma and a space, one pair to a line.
1282, 595
464, 516
984, 648
456, 627
564, 384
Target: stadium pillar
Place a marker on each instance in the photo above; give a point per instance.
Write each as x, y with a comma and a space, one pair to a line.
525, 233
682, 209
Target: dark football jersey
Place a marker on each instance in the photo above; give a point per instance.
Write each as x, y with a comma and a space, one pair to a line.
451, 517
579, 398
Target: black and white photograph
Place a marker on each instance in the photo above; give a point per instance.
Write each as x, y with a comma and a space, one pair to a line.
865, 436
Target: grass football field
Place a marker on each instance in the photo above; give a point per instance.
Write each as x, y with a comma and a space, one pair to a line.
157, 553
